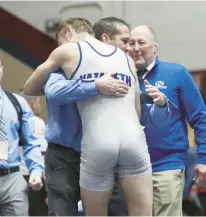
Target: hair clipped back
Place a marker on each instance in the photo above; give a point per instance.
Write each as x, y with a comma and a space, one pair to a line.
108, 25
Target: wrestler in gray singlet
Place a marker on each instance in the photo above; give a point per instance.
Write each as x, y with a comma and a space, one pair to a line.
112, 135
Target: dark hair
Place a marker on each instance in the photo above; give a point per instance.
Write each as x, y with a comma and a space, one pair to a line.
79, 24
108, 25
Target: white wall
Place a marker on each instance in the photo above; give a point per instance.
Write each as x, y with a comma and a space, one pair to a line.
179, 25
35, 12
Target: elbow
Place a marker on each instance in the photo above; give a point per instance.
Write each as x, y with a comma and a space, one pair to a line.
27, 90
30, 91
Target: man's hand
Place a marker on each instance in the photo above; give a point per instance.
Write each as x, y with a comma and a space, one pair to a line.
110, 86
158, 97
35, 182
200, 175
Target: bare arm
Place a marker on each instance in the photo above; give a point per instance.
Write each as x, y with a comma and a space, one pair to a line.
36, 82
138, 104
137, 89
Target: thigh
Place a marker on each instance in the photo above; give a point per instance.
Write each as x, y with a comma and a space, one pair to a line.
138, 192
15, 200
117, 204
95, 203
62, 182
168, 191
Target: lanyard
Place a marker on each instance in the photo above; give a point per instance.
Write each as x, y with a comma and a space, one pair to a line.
2, 133
2, 108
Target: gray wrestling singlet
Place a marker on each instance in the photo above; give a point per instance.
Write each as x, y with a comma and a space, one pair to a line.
112, 134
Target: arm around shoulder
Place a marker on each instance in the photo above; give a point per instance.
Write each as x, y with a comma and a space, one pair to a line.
62, 91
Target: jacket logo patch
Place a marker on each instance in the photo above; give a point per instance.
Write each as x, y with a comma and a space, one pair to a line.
160, 85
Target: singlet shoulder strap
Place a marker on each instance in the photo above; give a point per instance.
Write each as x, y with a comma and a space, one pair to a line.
130, 66
103, 55
80, 60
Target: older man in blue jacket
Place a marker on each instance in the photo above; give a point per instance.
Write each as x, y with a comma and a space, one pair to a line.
168, 146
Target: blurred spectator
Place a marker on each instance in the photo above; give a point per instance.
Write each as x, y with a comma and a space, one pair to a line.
194, 197
37, 205
16, 121
40, 126
194, 203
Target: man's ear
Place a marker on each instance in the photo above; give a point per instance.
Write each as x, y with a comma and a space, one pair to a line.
69, 31
156, 47
68, 28
105, 38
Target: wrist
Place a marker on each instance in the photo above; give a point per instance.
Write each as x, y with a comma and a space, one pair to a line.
164, 105
36, 173
97, 85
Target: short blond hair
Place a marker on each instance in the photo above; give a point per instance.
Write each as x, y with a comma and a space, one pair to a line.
80, 25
